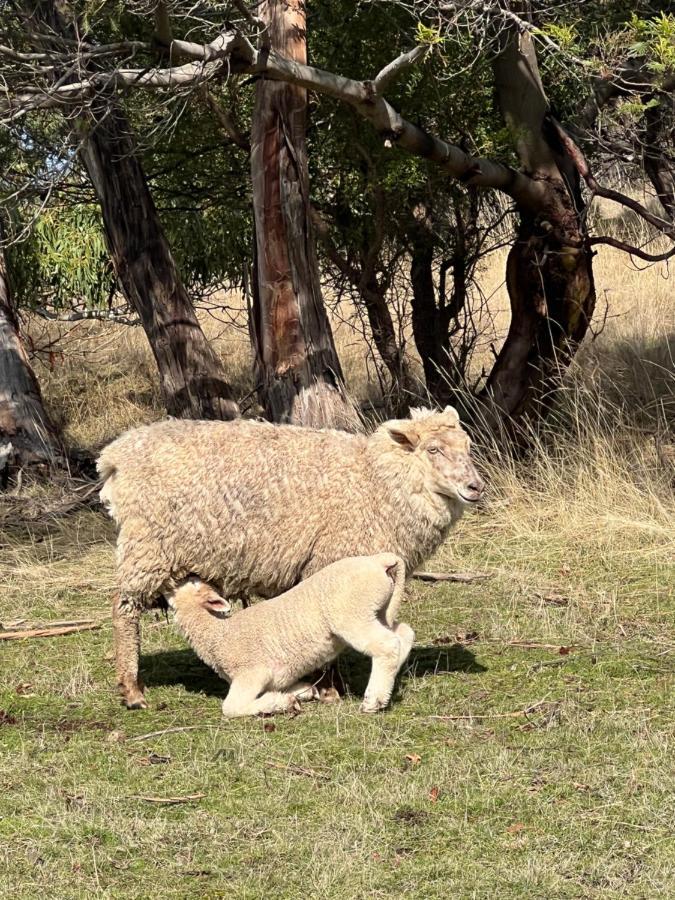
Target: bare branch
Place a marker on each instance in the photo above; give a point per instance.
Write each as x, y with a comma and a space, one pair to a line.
392, 70
231, 52
581, 163
633, 251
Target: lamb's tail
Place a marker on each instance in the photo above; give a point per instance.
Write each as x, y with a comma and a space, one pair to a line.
395, 569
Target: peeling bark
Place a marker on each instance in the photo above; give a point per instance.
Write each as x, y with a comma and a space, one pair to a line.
27, 434
297, 365
192, 380
549, 269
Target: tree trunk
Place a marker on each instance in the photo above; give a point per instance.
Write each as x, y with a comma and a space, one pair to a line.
27, 435
429, 332
659, 163
192, 380
387, 345
549, 269
296, 361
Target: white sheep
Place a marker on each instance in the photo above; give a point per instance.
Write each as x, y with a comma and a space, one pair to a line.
255, 508
265, 650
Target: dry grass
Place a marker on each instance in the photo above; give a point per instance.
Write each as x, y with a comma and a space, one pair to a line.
572, 800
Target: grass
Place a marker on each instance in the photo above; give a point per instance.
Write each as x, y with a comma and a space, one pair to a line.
572, 799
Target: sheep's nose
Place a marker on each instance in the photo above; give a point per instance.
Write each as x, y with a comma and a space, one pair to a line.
477, 485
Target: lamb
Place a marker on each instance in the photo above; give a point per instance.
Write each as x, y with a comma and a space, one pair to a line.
254, 508
264, 650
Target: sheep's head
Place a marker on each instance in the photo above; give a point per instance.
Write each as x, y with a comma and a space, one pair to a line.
442, 451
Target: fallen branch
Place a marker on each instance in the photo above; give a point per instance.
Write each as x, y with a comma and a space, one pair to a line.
174, 730
170, 801
21, 633
296, 770
23, 625
459, 577
519, 713
535, 645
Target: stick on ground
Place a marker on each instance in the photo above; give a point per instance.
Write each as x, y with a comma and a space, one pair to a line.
459, 577
23, 633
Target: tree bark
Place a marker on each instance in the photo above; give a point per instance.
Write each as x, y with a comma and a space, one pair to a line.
192, 379
659, 163
27, 434
549, 270
297, 365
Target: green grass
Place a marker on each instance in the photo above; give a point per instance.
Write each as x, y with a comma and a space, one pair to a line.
574, 799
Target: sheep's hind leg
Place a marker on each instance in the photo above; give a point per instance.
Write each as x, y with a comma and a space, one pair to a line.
127, 644
246, 696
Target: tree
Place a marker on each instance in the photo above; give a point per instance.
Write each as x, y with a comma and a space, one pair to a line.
297, 365
28, 437
192, 380
539, 162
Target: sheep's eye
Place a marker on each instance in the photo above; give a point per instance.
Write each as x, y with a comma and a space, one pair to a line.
432, 449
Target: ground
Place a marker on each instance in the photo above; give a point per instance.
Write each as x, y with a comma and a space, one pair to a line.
570, 799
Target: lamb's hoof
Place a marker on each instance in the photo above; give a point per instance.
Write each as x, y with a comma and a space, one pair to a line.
329, 695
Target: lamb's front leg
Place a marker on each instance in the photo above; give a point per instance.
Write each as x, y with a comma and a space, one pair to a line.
127, 645
248, 696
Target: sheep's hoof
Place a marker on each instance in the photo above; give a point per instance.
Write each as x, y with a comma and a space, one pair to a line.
329, 695
294, 707
135, 700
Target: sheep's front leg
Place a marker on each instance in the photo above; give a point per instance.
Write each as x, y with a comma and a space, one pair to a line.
247, 696
303, 690
127, 646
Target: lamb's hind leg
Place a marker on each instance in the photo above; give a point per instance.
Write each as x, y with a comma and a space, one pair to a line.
127, 644
386, 650
247, 696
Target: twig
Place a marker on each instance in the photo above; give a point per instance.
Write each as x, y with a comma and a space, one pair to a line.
535, 645
509, 715
22, 625
47, 632
296, 770
170, 801
174, 730
460, 577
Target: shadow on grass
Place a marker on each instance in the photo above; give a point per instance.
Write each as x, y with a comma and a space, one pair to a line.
349, 674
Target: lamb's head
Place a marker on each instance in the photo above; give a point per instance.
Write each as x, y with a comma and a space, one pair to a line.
196, 596
440, 453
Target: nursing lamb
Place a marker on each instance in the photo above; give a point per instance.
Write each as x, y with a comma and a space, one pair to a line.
251, 507
264, 650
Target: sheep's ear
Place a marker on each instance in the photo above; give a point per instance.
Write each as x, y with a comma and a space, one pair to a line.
403, 433
452, 413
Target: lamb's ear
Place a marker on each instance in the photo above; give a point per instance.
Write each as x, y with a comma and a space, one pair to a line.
214, 603
404, 433
452, 413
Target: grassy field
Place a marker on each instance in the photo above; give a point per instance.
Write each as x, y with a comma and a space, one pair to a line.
530, 748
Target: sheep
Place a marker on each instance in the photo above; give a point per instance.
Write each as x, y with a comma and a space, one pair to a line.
254, 508
265, 649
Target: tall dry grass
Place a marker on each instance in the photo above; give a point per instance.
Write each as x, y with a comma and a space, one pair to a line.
606, 449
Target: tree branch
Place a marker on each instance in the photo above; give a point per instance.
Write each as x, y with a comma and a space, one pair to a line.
233, 53
392, 70
633, 251
581, 163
